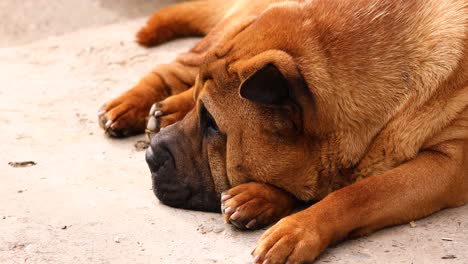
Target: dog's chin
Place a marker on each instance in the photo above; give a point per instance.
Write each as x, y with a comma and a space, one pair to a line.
173, 194
180, 195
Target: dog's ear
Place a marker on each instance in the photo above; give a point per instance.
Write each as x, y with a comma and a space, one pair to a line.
266, 86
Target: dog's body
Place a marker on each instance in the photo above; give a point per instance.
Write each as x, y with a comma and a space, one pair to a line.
305, 101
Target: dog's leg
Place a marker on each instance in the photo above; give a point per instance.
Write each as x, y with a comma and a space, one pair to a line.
195, 18
435, 179
169, 111
255, 205
128, 113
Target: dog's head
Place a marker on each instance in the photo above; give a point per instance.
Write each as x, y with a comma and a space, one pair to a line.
247, 125
289, 112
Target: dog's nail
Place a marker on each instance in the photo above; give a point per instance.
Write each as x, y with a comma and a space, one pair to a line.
266, 261
101, 113
108, 123
225, 197
153, 109
228, 210
235, 216
113, 125
251, 224
158, 113
151, 124
256, 259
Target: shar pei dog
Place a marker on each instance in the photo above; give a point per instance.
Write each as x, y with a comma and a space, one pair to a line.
356, 108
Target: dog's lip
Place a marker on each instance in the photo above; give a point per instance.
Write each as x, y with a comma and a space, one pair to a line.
172, 193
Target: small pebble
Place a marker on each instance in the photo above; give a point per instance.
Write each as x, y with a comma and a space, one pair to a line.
449, 257
21, 164
203, 229
141, 145
29, 248
218, 230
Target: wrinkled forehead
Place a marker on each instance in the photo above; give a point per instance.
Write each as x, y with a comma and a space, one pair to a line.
216, 77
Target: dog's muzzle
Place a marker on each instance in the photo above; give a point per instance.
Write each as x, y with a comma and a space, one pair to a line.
166, 187
180, 173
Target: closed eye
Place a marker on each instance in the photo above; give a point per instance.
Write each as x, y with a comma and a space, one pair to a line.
207, 122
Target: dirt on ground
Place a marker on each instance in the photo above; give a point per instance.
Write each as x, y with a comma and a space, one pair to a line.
69, 194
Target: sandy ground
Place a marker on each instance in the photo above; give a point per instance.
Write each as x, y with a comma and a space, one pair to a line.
88, 199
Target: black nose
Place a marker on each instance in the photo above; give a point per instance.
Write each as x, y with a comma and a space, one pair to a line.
169, 188
157, 156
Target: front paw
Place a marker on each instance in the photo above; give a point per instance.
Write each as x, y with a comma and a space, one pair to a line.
168, 111
255, 205
292, 240
123, 116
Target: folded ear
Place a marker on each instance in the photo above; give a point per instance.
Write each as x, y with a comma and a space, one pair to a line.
266, 86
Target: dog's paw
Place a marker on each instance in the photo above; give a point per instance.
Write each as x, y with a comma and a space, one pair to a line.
255, 205
154, 121
168, 111
291, 240
123, 116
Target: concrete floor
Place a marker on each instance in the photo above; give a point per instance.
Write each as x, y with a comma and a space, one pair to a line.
88, 199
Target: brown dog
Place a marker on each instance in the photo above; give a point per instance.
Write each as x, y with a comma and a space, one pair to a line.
289, 101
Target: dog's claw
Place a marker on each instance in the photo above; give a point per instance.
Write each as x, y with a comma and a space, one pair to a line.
251, 224
154, 125
158, 113
228, 210
235, 216
108, 123
225, 197
153, 109
151, 124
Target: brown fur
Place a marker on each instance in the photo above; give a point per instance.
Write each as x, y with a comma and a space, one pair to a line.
376, 128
